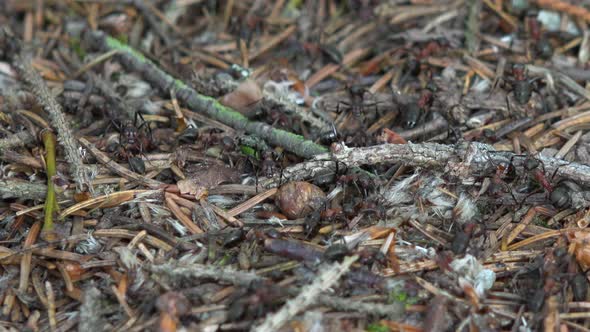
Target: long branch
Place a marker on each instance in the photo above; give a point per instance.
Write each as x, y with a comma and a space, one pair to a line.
135, 61
463, 161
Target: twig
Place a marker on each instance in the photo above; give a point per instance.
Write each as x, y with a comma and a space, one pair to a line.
562, 6
14, 188
51, 306
472, 31
462, 160
66, 138
113, 166
195, 272
94, 62
25, 263
562, 78
133, 60
308, 295
199, 271
393, 311
50, 201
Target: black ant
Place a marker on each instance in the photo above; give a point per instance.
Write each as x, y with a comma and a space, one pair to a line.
268, 164
134, 139
329, 136
356, 104
543, 48
416, 111
522, 86
532, 165
361, 180
313, 221
561, 196
536, 168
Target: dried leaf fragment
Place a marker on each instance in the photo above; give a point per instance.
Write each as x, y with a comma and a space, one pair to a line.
244, 97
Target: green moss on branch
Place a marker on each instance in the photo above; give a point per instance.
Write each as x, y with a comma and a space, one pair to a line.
135, 61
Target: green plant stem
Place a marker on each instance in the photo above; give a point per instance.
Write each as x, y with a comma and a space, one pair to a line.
135, 61
49, 141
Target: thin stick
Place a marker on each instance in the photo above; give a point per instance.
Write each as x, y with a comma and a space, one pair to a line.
50, 201
134, 60
51, 306
113, 166
308, 295
94, 62
25, 264
185, 220
58, 120
251, 202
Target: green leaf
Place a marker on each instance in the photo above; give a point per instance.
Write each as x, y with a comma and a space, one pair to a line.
77, 47
249, 151
377, 328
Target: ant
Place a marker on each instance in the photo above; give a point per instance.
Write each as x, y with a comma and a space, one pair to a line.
561, 196
362, 181
536, 168
543, 48
313, 221
532, 165
267, 164
133, 141
356, 105
416, 111
521, 85
329, 136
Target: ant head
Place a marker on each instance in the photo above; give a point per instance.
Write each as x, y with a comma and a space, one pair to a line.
413, 65
531, 164
431, 86
518, 70
268, 154
356, 89
560, 197
532, 14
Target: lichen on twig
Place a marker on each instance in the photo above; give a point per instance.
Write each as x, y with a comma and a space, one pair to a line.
134, 60
328, 277
66, 138
462, 160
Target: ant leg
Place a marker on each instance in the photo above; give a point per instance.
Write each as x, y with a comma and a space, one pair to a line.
554, 173
524, 199
256, 177
144, 123
108, 127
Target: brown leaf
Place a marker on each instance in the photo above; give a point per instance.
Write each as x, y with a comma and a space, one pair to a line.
390, 136
206, 176
188, 186
244, 97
